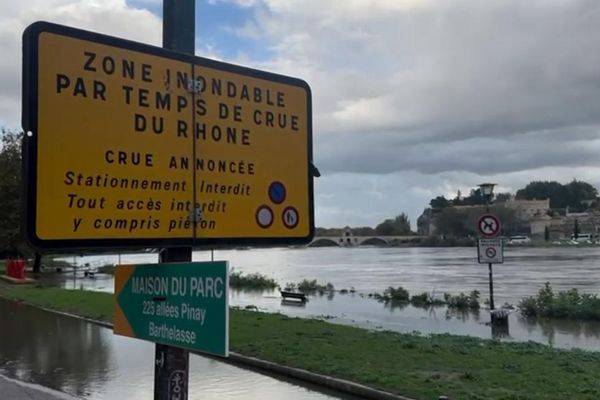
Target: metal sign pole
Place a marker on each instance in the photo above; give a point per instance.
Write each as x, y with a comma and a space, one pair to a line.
491, 287
171, 366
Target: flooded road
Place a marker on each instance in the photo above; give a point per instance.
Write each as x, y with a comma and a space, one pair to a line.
88, 361
434, 270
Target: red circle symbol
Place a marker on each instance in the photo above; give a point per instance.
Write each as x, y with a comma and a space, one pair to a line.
489, 225
290, 217
264, 216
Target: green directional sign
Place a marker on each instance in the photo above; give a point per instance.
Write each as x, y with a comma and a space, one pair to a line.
178, 304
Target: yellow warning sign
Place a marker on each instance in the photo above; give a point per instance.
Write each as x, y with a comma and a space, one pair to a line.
133, 145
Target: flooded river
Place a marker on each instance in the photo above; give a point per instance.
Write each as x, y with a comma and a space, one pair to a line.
435, 270
88, 361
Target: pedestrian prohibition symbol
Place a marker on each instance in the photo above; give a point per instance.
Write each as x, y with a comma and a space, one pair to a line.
490, 252
489, 225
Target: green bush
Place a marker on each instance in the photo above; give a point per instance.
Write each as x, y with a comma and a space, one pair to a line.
256, 281
425, 299
463, 301
398, 294
569, 304
311, 286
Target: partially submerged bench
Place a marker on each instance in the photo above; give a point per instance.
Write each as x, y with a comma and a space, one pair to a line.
293, 295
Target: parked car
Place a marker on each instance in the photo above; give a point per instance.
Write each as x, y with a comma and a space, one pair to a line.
516, 240
583, 238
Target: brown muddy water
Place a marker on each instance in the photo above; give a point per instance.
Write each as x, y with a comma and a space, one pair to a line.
88, 361
435, 270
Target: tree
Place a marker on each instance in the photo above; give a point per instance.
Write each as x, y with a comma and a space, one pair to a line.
544, 190
572, 195
452, 222
400, 225
576, 192
508, 218
476, 198
503, 197
10, 193
363, 231
439, 202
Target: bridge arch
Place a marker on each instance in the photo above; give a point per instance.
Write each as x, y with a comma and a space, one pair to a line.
374, 241
324, 242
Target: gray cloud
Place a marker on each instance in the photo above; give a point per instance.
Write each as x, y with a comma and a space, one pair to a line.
412, 98
441, 71
427, 97
112, 17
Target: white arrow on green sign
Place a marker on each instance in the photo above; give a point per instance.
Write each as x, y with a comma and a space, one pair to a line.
179, 304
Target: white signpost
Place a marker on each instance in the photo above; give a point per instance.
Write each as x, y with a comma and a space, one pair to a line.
490, 251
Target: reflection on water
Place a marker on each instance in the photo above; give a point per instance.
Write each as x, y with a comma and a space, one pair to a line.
435, 270
56, 352
86, 360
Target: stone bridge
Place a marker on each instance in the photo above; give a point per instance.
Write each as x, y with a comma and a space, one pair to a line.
351, 240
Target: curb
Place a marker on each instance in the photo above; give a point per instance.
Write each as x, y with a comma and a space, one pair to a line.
340, 385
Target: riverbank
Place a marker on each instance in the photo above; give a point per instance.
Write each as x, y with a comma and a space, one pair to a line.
422, 367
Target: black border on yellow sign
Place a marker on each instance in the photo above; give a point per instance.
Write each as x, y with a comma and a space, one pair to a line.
30, 145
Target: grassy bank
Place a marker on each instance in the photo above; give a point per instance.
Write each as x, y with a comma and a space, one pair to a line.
417, 366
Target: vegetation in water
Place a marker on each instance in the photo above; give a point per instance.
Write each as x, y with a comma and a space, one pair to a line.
256, 281
463, 301
568, 304
425, 299
310, 286
398, 294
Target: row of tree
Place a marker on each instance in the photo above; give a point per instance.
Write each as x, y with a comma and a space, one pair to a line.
397, 226
10, 194
576, 195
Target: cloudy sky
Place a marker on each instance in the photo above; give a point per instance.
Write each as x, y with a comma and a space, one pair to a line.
412, 98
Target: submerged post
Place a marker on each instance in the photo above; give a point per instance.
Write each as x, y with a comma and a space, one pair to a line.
171, 366
491, 289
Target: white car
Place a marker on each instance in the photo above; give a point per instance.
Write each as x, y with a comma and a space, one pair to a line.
519, 240
582, 238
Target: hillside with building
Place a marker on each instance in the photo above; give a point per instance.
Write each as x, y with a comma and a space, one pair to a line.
542, 210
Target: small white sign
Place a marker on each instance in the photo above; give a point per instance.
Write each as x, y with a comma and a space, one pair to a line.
490, 251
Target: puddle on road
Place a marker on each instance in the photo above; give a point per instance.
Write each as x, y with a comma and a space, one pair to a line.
86, 360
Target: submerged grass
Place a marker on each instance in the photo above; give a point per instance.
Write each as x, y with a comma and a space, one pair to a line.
256, 281
399, 295
423, 367
93, 305
310, 286
568, 304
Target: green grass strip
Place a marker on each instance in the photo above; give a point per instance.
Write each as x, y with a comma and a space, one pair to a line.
422, 367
